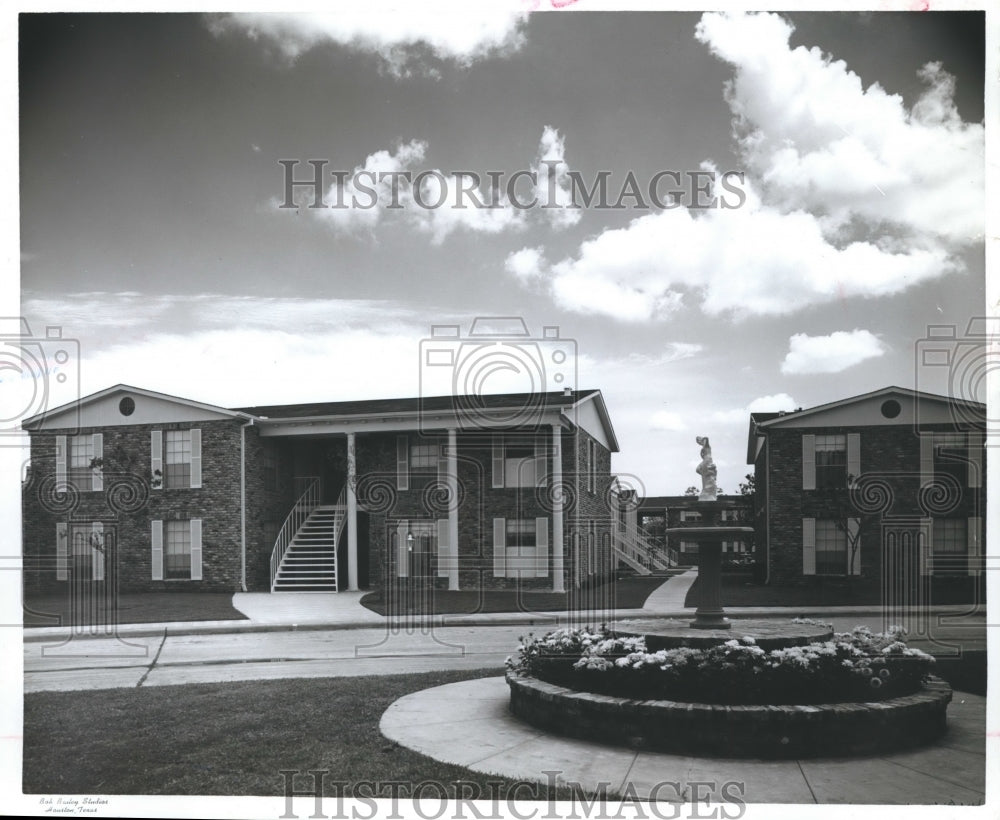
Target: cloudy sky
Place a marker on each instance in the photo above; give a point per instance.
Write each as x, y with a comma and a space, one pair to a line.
151, 226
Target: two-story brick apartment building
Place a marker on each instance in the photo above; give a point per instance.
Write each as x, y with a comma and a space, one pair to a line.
889, 485
157, 492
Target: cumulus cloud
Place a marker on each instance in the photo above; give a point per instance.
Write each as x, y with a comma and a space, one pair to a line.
848, 194
830, 354
392, 184
396, 33
752, 261
820, 141
762, 404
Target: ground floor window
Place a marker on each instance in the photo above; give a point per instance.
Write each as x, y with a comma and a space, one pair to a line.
520, 547
831, 547
177, 549
950, 545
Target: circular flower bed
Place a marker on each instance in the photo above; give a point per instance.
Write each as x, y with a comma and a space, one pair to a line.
857, 666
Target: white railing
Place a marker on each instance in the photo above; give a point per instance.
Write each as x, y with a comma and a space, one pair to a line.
638, 545
341, 515
301, 510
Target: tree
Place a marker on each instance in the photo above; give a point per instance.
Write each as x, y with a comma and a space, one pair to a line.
748, 487
691, 491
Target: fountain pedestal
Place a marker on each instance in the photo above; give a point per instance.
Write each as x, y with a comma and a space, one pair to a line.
710, 614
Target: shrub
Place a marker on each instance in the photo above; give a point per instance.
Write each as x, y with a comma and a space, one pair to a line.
855, 666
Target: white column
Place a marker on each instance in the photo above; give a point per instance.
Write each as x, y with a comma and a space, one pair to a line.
352, 516
453, 507
557, 511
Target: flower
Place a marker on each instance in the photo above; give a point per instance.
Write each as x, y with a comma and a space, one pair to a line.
875, 683
884, 674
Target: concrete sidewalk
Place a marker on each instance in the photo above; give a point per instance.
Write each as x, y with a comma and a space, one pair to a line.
468, 724
289, 611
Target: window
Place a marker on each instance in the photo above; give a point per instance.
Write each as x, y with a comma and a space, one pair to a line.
951, 536
81, 454
177, 550
519, 462
520, 548
831, 548
831, 461
690, 515
177, 459
424, 458
690, 547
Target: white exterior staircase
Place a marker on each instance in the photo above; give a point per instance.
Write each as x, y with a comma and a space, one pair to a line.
309, 563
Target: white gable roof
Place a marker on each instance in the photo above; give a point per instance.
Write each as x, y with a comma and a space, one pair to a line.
888, 406
103, 409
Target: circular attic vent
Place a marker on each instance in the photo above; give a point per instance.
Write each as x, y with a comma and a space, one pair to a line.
890, 408
126, 406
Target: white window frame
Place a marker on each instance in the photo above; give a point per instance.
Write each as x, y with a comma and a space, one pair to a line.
158, 458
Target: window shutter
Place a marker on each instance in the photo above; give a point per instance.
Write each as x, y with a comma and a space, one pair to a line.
975, 526
926, 458
499, 548
808, 546
541, 460
926, 537
541, 548
402, 464
853, 546
975, 441
497, 450
156, 462
808, 461
62, 547
853, 456
402, 553
97, 477
195, 549
156, 539
195, 457
97, 555
60, 462
445, 562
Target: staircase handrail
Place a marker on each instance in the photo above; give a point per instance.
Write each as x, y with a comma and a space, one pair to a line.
301, 510
342, 506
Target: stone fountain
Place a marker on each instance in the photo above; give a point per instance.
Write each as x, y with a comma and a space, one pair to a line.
710, 618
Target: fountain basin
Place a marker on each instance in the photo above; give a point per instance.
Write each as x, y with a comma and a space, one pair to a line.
768, 634
760, 731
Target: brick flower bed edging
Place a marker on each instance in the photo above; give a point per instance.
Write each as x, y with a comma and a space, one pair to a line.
817, 730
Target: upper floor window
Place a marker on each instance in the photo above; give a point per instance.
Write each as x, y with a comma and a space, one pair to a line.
425, 460
831, 461
78, 461
518, 460
176, 458
690, 515
951, 455
81, 456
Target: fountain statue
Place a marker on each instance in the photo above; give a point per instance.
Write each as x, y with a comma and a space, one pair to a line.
706, 469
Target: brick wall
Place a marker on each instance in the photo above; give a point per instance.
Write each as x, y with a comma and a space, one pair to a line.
480, 503
128, 503
891, 452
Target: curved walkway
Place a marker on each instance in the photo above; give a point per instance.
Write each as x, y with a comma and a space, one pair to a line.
468, 724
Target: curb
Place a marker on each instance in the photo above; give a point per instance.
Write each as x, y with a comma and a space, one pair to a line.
552, 619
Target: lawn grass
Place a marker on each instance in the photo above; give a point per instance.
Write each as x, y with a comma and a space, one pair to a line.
627, 592
231, 738
738, 589
130, 608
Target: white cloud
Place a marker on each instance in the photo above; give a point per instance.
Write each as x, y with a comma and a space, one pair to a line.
762, 404
830, 354
749, 261
665, 420
818, 140
395, 32
553, 188
525, 264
